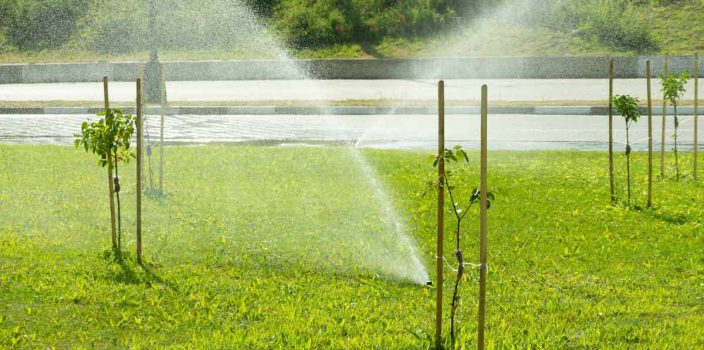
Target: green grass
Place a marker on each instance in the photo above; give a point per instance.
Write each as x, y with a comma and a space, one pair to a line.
264, 247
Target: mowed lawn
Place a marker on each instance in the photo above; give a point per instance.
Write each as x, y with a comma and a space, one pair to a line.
297, 247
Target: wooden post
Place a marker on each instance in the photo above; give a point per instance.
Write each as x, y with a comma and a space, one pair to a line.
696, 115
441, 215
612, 182
110, 180
161, 130
483, 223
666, 70
650, 135
140, 155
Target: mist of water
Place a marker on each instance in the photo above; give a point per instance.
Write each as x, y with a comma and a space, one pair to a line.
406, 265
387, 248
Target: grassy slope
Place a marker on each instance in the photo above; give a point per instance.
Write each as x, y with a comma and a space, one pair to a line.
230, 266
677, 29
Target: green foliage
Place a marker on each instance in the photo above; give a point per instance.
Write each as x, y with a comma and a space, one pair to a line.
627, 107
263, 8
122, 26
312, 23
615, 23
221, 277
673, 86
460, 208
214, 29
108, 138
315, 23
41, 24
113, 27
455, 154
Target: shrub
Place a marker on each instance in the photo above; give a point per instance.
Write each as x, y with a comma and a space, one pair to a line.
263, 8
614, 23
42, 24
114, 27
314, 23
123, 26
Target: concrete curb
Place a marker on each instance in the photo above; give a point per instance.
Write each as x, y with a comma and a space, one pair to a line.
347, 110
422, 68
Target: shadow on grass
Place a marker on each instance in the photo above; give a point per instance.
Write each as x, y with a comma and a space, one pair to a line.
132, 272
156, 195
663, 215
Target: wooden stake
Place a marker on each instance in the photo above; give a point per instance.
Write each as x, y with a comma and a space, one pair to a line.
483, 222
161, 130
110, 180
140, 136
140, 156
650, 135
664, 117
696, 115
441, 215
612, 182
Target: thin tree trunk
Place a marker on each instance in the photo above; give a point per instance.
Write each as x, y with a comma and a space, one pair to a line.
117, 194
628, 165
456, 292
677, 124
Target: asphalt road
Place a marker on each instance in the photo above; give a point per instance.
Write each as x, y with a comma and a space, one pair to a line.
270, 90
513, 132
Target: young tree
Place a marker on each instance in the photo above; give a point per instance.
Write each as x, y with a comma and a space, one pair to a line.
627, 107
460, 208
673, 87
109, 138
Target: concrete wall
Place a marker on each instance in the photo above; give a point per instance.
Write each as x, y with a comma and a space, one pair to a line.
436, 68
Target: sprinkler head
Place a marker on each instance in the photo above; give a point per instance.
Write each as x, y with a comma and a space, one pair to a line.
429, 283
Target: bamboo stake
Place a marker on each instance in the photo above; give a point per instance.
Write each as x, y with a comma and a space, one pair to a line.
696, 115
110, 180
612, 182
650, 135
140, 156
483, 222
441, 215
161, 130
664, 117
140, 136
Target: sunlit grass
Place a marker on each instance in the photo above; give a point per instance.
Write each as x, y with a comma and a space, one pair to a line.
230, 262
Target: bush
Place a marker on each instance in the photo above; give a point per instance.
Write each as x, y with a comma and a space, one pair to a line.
614, 23
314, 23
263, 8
114, 27
123, 26
42, 24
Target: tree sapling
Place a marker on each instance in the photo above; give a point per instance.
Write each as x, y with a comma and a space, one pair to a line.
460, 208
673, 87
627, 107
109, 138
